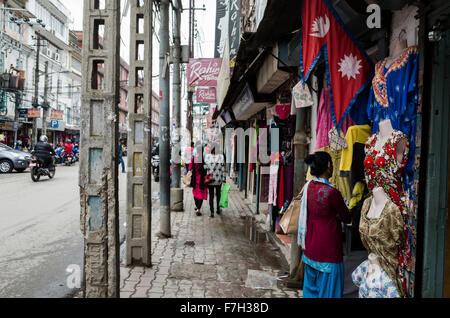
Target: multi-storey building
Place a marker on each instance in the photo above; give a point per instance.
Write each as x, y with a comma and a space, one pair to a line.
58, 50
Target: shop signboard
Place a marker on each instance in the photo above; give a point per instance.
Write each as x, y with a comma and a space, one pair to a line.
234, 31
206, 95
222, 20
56, 114
243, 102
34, 113
23, 113
203, 72
54, 124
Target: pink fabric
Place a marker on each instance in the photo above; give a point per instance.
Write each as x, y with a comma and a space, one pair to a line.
283, 111
325, 120
198, 193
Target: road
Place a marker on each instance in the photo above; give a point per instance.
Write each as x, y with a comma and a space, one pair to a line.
40, 232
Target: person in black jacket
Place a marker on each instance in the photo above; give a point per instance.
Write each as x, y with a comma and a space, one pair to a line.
44, 151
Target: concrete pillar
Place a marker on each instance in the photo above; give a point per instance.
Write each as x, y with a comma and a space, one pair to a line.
176, 192
139, 199
99, 151
164, 120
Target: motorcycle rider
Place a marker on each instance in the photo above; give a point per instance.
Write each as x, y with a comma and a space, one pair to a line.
43, 151
68, 149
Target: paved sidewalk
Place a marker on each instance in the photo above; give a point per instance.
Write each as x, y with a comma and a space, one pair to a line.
206, 258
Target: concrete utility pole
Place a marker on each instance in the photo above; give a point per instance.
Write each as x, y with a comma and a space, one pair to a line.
190, 103
164, 119
36, 92
98, 179
45, 104
139, 209
176, 191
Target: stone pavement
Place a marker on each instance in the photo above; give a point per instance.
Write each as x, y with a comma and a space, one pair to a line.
207, 258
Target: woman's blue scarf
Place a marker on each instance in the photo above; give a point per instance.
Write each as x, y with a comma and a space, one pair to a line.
302, 219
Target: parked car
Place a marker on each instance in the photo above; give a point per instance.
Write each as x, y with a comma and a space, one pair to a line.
11, 159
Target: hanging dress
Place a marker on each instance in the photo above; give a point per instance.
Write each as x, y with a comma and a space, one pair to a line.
394, 96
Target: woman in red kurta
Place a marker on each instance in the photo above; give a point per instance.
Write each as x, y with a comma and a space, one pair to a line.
199, 189
320, 231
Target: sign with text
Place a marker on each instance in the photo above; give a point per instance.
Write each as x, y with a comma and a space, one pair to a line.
56, 114
206, 95
23, 113
203, 72
34, 113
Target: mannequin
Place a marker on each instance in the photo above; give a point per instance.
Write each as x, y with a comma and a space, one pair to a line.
379, 201
399, 46
374, 267
379, 196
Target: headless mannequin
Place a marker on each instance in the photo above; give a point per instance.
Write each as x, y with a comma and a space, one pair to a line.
379, 196
397, 50
374, 266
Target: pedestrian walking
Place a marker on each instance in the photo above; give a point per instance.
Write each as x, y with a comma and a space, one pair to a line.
199, 189
322, 210
215, 165
121, 142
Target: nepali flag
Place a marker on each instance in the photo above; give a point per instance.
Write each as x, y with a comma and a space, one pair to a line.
349, 69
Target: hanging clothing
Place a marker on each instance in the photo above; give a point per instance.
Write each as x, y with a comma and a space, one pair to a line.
325, 121
383, 236
377, 285
273, 183
281, 185
301, 96
283, 111
357, 133
394, 96
319, 284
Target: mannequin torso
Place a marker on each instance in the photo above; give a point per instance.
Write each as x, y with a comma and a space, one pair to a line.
397, 50
378, 203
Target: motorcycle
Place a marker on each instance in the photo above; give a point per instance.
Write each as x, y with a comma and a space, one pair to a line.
155, 167
69, 159
38, 170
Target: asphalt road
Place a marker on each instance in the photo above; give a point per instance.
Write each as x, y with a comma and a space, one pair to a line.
40, 232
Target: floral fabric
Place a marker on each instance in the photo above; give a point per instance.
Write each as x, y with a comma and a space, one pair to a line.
383, 237
377, 284
301, 95
383, 170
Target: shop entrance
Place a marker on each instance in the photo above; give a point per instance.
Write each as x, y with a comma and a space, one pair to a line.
447, 240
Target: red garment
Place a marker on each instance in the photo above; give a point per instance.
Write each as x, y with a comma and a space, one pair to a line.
281, 185
198, 193
68, 148
326, 211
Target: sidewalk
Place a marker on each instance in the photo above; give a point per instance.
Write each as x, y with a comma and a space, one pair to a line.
208, 258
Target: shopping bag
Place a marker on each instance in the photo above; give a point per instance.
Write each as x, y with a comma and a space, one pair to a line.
187, 179
289, 221
224, 196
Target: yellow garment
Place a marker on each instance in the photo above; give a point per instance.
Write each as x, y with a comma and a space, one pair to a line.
359, 133
357, 194
341, 183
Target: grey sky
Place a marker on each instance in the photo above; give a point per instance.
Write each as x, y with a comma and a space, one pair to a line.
205, 23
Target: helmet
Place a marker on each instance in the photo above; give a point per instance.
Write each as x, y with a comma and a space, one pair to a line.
43, 138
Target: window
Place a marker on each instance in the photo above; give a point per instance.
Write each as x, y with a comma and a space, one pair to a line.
69, 119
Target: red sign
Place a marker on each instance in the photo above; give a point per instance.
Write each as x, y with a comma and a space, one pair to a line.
348, 66
34, 113
203, 72
206, 95
56, 114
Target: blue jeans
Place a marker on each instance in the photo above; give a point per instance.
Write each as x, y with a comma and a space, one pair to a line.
122, 163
